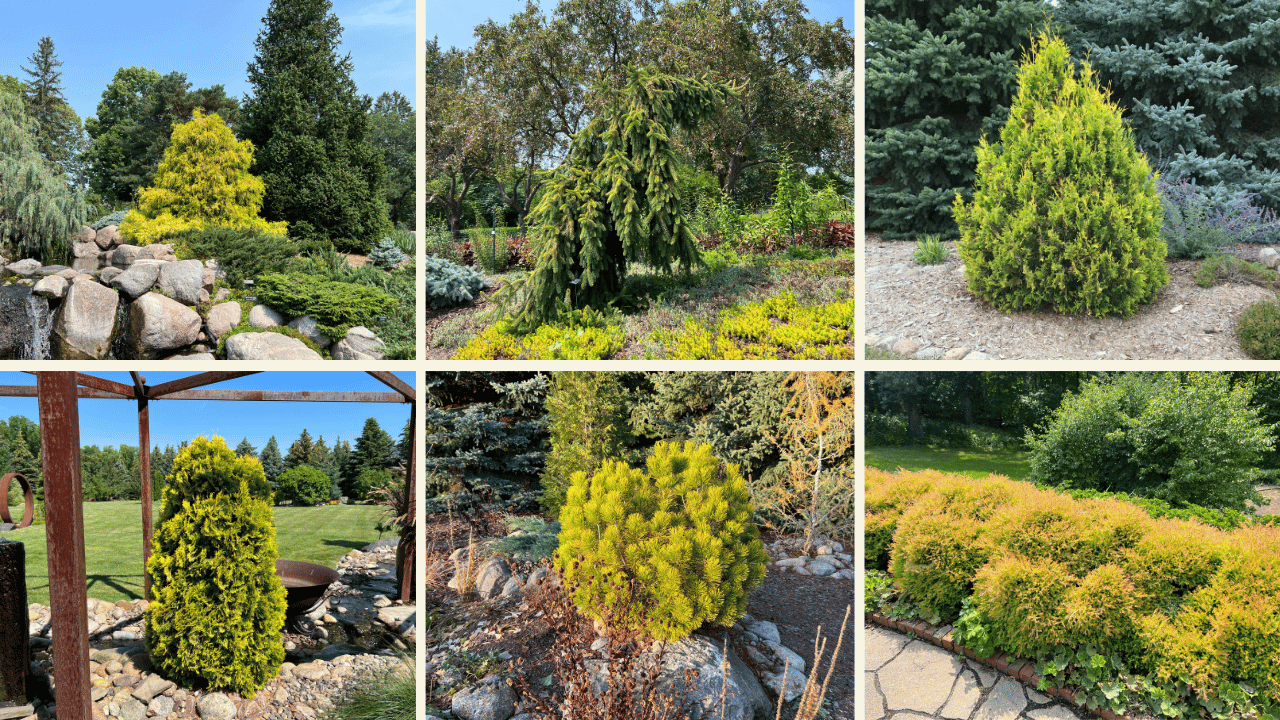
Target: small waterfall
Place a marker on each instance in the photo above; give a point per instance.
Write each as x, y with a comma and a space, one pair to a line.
41, 320
120, 337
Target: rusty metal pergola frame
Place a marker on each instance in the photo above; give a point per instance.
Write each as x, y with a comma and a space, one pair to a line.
58, 394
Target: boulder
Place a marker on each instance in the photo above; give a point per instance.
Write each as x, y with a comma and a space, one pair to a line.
84, 325
223, 317
86, 250
491, 576
268, 346
201, 356
137, 280
86, 234
107, 237
124, 255
309, 326
207, 278
53, 286
490, 699
158, 325
222, 294
25, 267
359, 344
216, 706
261, 316
107, 274
182, 280
157, 251
744, 696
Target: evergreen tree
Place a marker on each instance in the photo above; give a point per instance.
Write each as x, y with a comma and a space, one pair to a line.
310, 129
393, 132
1200, 84
135, 122
1065, 213
245, 449
404, 448
588, 425
56, 128
203, 180
272, 463
22, 460
614, 200
375, 450
939, 76
300, 450
38, 211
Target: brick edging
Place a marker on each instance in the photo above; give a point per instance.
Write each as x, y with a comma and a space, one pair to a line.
1002, 662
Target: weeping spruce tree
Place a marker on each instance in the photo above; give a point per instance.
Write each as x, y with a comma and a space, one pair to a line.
38, 211
1065, 212
614, 199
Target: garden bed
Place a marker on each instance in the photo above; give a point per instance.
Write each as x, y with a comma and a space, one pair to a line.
470, 638
931, 309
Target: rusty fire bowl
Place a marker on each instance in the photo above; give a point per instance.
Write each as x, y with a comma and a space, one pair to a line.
304, 584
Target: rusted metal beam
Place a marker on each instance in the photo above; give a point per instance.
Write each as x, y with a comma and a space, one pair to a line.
195, 381
286, 396
64, 531
407, 572
395, 383
104, 384
84, 392
144, 467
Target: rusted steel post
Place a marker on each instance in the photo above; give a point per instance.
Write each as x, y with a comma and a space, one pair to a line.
144, 463
64, 528
15, 650
408, 541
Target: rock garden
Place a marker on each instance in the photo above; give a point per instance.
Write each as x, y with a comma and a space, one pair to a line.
602, 605
190, 225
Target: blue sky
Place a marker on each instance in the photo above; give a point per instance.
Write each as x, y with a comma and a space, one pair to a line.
211, 42
115, 422
454, 22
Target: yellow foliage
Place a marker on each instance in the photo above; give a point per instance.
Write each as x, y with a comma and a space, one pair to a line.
771, 329
203, 180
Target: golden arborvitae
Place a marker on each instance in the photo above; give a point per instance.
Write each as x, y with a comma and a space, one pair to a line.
614, 200
203, 180
683, 530
1065, 212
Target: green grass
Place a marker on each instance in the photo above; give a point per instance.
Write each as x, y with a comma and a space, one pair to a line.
388, 696
971, 463
113, 543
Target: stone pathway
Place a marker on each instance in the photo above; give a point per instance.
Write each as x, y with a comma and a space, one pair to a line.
911, 679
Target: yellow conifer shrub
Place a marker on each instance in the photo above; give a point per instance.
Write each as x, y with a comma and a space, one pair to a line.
203, 180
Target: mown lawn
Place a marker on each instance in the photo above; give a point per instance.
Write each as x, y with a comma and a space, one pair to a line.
113, 543
972, 463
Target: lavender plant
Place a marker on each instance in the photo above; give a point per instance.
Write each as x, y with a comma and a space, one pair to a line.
1195, 226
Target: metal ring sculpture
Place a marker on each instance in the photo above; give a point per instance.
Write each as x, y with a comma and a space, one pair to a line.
29, 513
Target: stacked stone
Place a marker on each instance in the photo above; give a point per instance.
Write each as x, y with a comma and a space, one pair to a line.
825, 559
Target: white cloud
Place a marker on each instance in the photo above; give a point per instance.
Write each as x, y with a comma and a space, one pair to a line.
381, 13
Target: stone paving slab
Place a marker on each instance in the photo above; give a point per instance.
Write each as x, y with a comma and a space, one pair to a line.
912, 679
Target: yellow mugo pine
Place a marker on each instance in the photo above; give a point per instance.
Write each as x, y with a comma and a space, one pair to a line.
203, 180
1065, 213
682, 531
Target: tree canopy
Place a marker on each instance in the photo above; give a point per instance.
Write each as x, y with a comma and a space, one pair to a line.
38, 210
311, 131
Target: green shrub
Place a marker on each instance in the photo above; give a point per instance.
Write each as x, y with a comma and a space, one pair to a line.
387, 254
1023, 600
217, 607
930, 251
449, 284
1081, 536
241, 252
888, 496
1065, 213
683, 530
571, 341
337, 306
940, 542
114, 218
533, 539
304, 485
1193, 439
1259, 330
1171, 562
1217, 268
370, 479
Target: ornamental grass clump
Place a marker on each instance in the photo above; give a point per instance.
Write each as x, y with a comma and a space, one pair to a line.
217, 607
1065, 213
683, 530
